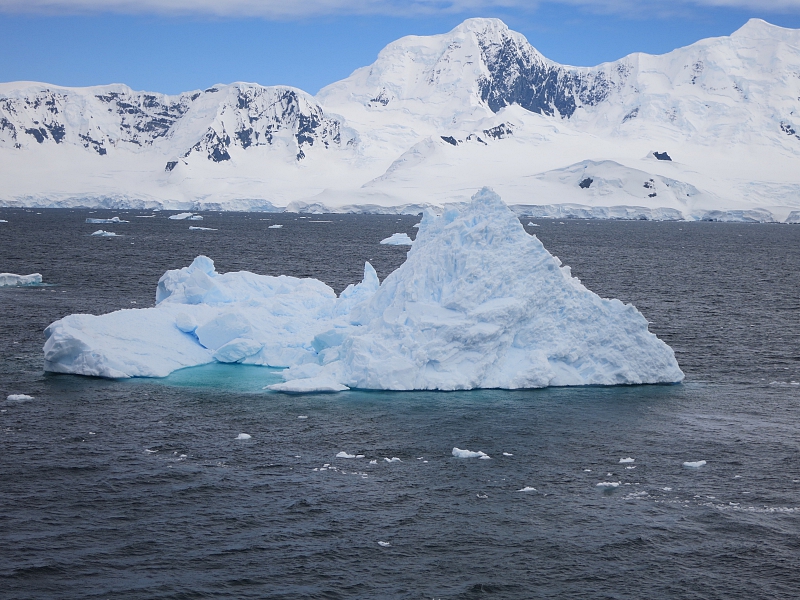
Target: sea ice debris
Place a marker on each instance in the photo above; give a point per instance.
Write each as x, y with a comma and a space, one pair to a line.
626, 460
458, 453
393, 459
507, 454
302, 416
12, 280
527, 489
101, 233
192, 228
694, 465
243, 436
275, 227
384, 544
398, 239
181, 216
532, 224
18, 397
308, 386
111, 220
608, 484
344, 454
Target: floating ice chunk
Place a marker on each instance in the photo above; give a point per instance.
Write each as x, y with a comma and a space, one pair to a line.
667, 489
101, 233
527, 489
19, 397
3, 221
111, 220
302, 416
196, 218
12, 280
373, 462
587, 470
532, 224
507, 454
626, 460
312, 385
629, 468
344, 454
609, 484
192, 228
359, 456
181, 216
479, 303
275, 227
393, 459
384, 544
694, 465
398, 239
243, 436
458, 453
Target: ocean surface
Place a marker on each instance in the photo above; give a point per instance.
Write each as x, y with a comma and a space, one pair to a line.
141, 489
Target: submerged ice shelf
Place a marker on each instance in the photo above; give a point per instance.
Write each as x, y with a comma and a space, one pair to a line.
479, 303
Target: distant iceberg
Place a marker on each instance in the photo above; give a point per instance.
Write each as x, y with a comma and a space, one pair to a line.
182, 216
398, 239
479, 303
101, 233
11, 280
111, 220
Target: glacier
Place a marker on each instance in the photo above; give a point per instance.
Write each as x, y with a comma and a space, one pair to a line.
479, 303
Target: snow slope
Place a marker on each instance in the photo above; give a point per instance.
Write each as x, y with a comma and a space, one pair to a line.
715, 126
479, 303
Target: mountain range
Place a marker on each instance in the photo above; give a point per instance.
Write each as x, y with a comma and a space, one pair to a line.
709, 131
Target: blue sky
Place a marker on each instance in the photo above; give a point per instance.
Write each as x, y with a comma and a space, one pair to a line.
179, 45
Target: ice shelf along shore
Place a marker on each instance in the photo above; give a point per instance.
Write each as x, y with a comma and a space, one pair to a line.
479, 303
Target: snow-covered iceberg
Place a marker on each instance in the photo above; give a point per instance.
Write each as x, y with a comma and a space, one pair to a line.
12, 280
398, 239
479, 303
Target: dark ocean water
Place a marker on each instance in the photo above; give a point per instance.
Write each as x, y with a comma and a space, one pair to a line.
140, 489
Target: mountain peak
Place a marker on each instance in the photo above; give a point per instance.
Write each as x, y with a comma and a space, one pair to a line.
761, 29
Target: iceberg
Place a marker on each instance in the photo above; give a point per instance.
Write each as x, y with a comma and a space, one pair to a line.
11, 280
182, 216
101, 233
479, 303
398, 239
201, 228
111, 220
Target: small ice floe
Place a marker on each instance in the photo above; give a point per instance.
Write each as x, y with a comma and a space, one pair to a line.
196, 218
458, 453
507, 454
667, 489
243, 436
145, 216
694, 465
737, 476
393, 459
150, 451
181, 216
302, 416
12, 280
629, 468
420, 457
111, 220
101, 233
384, 544
532, 224
192, 228
587, 470
482, 496
3, 221
275, 227
397, 239
373, 462
311, 385
416, 225
527, 488
623, 461
19, 397
344, 454
92, 433
609, 485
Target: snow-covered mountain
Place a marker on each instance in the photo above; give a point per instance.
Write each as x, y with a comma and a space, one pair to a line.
707, 131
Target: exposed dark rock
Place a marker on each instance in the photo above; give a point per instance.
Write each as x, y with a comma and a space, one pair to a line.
662, 156
39, 133
586, 183
450, 140
631, 115
171, 165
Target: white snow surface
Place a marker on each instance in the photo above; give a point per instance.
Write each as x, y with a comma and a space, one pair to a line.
12, 280
434, 116
398, 239
479, 303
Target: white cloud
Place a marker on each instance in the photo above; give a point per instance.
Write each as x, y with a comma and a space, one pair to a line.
287, 9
